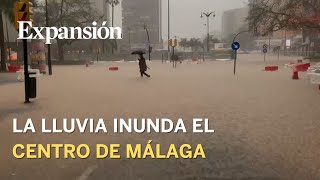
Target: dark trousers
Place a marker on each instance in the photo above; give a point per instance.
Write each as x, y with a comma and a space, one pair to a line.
144, 73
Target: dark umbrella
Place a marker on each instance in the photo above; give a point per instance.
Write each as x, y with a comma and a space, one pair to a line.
138, 52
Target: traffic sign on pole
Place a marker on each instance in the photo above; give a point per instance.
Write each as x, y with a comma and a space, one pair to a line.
235, 46
265, 46
264, 54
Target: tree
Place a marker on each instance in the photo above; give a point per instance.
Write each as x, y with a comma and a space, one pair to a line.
64, 13
267, 16
6, 11
184, 43
195, 44
212, 40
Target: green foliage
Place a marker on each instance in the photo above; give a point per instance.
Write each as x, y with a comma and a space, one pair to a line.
212, 40
194, 43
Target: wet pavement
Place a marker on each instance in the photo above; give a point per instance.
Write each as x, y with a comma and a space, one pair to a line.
266, 125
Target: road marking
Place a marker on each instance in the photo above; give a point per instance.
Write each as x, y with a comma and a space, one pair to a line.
87, 173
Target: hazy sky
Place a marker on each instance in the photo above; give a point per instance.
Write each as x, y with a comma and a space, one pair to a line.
185, 16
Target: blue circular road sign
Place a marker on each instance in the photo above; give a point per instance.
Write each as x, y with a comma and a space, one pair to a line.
265, 51
235, 46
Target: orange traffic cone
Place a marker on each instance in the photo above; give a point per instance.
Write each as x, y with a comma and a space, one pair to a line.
295, 75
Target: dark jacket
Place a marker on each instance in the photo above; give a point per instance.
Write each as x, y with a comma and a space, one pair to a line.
143, 65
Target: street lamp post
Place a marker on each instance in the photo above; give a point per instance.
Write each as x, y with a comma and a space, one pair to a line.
285, 42
168, 29
113, 4
149, 45
235, 52
112, 21
208, 14
48, 46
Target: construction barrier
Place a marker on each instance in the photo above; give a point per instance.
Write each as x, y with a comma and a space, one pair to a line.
113, 68
295, 75
14, 68
302, 67
271, 68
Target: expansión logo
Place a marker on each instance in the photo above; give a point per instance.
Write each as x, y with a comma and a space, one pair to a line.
50, 33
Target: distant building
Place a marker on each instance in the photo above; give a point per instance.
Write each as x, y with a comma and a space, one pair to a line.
216, 34
104, 9
233, 20
136, 14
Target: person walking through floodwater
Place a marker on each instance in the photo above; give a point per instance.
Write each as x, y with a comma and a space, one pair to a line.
143, 66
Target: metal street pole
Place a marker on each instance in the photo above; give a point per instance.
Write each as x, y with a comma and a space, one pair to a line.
208, 14
236, 52
285, 43
168, 29
203, 53
112, 50
235, 62
149, 45
112, 5
173, 57
26, 69
208, 34
279, 54
48, 46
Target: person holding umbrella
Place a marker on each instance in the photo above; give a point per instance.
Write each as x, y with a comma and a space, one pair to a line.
142, 63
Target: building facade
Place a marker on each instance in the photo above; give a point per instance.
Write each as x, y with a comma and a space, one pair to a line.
104, 9
137, 16
233, 20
